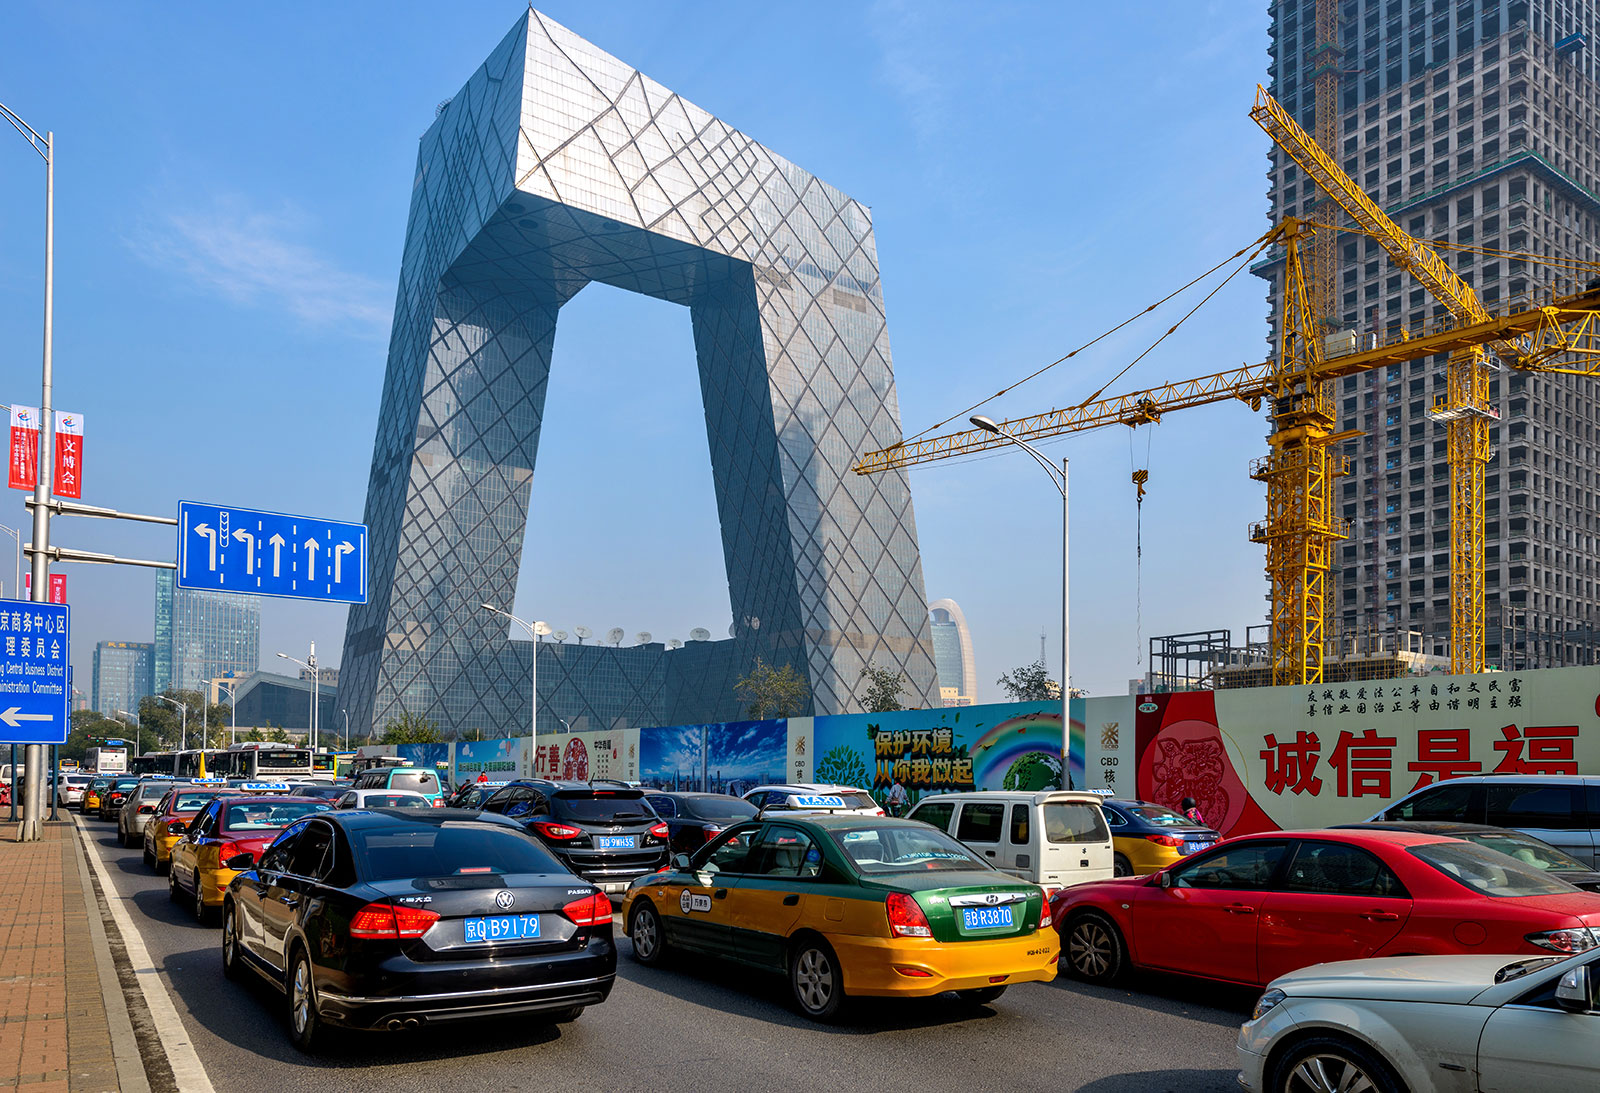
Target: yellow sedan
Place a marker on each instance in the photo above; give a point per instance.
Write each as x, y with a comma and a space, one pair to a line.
172, 816
227, 827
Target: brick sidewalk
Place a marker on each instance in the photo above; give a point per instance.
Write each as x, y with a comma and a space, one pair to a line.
54, 1034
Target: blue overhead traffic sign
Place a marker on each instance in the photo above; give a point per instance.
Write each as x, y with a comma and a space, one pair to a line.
226, 549
33, 673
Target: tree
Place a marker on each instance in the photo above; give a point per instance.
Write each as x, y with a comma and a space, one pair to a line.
410, 729
771, 692
1030, 683
884, 688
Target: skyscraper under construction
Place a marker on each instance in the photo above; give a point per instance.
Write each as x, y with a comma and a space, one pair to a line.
1473, 124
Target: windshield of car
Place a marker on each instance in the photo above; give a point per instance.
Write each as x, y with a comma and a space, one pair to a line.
124, 785
897, 849
1074, 822
1525, 850
1488, 871
77, 779
152, 791
1160, 817
723, 809
268, 815
191, 802
418, 781
447, 849
395, 800
584, 808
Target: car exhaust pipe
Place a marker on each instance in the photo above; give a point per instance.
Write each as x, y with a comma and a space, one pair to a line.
413, 1024
395, 1024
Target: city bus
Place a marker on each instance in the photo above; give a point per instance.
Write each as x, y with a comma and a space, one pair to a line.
107, 760
154, 762
253, 761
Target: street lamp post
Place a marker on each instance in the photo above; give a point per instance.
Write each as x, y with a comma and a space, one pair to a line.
183, 740
33, 804
535, 630
138, 731
1058, 479
309, 665
233, 706
16, 589
346, 730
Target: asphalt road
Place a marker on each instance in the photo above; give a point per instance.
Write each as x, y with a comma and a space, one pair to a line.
703, 1025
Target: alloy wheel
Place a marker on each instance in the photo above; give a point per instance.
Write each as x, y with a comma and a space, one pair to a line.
1329, 1073
1089, 948
644, 936
300, 996
813, 978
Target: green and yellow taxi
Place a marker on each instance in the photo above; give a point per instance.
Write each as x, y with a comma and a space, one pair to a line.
847, 906
226, 827
172, 816
90, 802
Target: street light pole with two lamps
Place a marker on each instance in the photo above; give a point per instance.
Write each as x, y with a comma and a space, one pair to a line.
183, 739
535, 630
310, 666
1058, 479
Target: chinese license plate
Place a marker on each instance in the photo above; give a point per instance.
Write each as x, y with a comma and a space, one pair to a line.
1194, 846
985, 918
501, 928
615, 842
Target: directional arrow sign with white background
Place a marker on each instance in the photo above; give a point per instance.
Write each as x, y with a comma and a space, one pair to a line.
227, 549
33, 672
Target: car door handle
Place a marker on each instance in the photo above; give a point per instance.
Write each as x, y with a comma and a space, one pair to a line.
289, 901
721, 893
791, 901
989, 853
1239, 909
1380, 916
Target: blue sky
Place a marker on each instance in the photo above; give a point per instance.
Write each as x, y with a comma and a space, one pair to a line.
232, 187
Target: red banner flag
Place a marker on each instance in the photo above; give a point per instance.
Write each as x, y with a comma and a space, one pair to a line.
58, 587
69, 455
24, 447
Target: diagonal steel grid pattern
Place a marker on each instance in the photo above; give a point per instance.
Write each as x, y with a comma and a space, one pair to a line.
557, 165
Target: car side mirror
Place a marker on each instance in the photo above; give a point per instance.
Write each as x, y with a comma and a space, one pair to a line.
176, 827
680, 862
1573, 992
241, 861
1166, 879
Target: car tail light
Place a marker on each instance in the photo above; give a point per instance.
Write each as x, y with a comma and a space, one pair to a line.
592, 910
711, 830
659, 830
228, 850
143, 809
387, 921
556, 831
1165, 840
438, 802
913, 973
1044, 912
905, 917
1575, 939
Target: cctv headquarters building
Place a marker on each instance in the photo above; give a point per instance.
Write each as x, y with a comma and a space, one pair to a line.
557, 165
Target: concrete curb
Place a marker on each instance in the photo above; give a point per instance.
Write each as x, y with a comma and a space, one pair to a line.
124, 1044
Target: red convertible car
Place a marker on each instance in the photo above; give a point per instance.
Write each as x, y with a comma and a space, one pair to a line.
1255, 907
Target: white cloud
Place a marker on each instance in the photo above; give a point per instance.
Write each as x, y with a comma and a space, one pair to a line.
252, 257
909, 65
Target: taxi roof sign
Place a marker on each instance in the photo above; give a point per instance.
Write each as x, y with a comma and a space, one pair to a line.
809, 800
262, 787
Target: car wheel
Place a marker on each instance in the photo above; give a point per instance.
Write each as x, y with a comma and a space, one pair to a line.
230, 941
980, 996
815, 980
149, 858
1331, 1063
1121, 867
649, 939
1094, 948
305, 1027
202, 913
172, 886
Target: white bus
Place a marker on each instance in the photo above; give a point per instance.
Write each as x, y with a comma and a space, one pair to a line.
255, 762
106, 760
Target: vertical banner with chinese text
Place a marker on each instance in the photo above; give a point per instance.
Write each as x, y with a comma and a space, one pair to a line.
68, 455
24, 462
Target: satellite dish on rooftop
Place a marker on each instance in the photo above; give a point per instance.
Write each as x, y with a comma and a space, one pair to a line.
699, 633
642, 637
614, 635
733, 631
561, 635
582, 632
674, 643
540, 629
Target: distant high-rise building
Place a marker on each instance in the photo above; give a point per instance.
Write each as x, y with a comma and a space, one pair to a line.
1474, 125
325, 676
124, 672
202, 635
952, 654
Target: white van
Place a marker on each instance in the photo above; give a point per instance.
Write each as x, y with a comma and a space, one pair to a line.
1054, 838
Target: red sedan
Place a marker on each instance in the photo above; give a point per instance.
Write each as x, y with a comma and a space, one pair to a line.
1253, 908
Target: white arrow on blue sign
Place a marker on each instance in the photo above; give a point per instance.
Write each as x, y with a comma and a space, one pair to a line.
33, 672
227, 549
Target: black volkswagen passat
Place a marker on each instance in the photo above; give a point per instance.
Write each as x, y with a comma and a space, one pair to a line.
390, 919
603, 831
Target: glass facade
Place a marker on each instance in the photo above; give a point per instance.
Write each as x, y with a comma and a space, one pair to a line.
557, 165
270, 701
124, 672
203, 635
952, 654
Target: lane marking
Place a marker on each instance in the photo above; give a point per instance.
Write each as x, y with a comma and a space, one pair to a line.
187, 1069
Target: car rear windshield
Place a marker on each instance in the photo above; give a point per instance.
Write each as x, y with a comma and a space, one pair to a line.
586, 808
1488, 871
897, 849
394, 800
191, 802
727, 809
1074, 822
1527, 851
448, 849
267, 815
418, 781
78, 779
1160, 817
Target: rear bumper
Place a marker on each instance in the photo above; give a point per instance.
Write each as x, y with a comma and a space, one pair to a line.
214, 885
164, 845
367, 1012
869, 963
